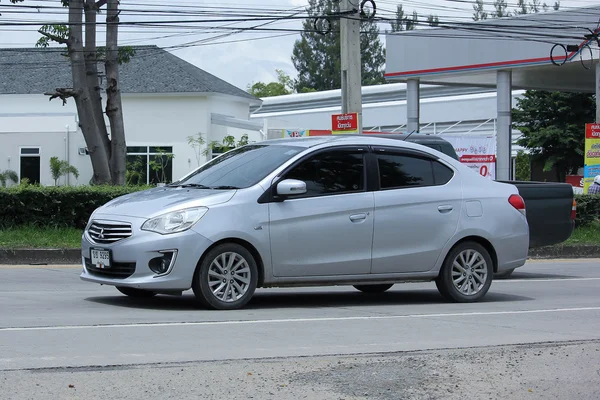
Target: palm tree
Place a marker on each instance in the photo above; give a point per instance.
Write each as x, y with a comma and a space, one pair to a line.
60, 168
8, 175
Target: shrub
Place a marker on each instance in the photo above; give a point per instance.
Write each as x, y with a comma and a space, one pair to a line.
588, 209
55, 206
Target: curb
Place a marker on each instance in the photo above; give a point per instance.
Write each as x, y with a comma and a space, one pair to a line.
565, 251
40, 256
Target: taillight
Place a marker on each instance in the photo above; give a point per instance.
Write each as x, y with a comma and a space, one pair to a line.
517, 202
574, 210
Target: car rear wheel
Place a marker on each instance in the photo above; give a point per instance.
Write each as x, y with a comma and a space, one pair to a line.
134, 292
466, 274
380, 288
226, 277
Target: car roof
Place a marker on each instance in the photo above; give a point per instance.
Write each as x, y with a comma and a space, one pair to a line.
352, 139
415, 137
317, 140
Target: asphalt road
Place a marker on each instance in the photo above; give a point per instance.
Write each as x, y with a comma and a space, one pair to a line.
55, 329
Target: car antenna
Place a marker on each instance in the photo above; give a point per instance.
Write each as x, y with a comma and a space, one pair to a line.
406, 138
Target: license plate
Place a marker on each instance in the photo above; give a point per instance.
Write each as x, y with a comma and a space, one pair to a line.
100, 258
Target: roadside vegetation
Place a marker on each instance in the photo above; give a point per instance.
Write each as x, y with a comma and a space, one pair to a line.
31, 237
589, 234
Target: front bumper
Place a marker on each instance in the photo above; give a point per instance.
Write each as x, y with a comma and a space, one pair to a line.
130, 258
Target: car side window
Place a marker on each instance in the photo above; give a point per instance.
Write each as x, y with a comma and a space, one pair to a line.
403, 171
441, 173
400, 171
331, 172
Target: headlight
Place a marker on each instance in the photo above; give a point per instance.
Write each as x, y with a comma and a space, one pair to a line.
176, 221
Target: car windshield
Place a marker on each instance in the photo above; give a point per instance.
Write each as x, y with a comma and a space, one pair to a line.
239, 168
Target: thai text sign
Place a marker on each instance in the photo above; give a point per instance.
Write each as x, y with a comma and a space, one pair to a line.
592, 155
344, 123
476, 152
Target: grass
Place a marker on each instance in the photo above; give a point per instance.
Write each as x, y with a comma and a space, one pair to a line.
69, 238
586, 235
40, 238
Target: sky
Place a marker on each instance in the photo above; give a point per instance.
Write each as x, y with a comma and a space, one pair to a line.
240, 58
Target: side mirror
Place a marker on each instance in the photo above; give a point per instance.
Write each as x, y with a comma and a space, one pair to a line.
290, 187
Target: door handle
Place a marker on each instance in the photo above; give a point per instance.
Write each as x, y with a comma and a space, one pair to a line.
445, 209
358, 217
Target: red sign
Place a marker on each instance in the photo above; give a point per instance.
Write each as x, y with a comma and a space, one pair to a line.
344, 122
592, 131
470, 158
575, 180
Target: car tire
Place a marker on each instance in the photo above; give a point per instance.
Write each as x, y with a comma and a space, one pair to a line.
467, 273
216, 286
134, 292
504, 274
380, 288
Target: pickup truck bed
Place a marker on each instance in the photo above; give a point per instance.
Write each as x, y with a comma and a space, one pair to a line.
548, 207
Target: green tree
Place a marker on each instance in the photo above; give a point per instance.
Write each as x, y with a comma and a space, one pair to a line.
553, 125
316, 57
107, 155
8, 175
197, 142
521, 8
401, 22
398, 23
60, 168
479, 11
433, 20
284, 85
228, 143
159, 163
523, 166
500, 9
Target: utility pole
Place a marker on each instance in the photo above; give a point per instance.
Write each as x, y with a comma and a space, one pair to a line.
350, 58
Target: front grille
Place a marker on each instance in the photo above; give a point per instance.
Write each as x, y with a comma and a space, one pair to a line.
116, 270
109, 232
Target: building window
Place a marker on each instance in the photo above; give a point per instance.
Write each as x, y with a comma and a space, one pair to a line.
149, 165
30, 164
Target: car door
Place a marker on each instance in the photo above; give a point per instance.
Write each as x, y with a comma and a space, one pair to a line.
329, 229
417, 209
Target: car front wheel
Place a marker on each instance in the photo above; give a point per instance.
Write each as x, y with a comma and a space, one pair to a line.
226, 277
466, 274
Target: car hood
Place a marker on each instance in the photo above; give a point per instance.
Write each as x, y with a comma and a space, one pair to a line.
152, 202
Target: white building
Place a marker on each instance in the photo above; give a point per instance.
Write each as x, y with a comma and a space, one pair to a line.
448, 110
165, 100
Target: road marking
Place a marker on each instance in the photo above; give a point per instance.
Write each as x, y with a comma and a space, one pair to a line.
294, 320
544, 280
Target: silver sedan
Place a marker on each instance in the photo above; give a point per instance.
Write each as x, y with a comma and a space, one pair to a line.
340, 210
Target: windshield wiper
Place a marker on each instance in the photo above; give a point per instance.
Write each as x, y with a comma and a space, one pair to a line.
193, 185
224, 187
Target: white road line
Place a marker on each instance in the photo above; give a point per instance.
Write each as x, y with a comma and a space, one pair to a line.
292, 320
532, 280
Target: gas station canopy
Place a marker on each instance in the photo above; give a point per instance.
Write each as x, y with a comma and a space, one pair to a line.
554, 51
471, 53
